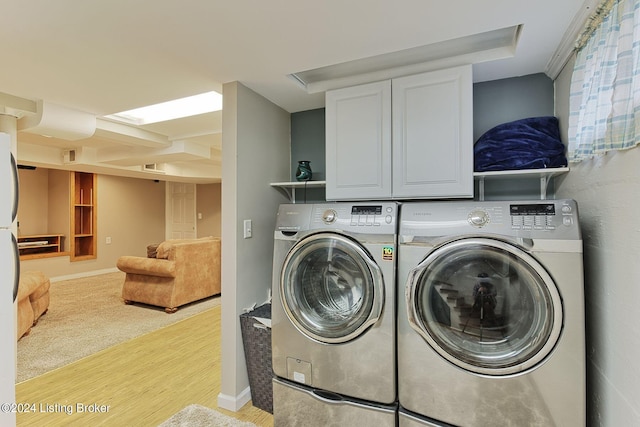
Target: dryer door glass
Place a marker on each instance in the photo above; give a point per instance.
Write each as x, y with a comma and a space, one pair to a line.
331, 288
486, 306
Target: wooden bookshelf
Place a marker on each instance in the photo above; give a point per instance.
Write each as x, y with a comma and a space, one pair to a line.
41, 246
84, 206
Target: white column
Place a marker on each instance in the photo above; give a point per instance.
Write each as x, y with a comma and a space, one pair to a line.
8, 124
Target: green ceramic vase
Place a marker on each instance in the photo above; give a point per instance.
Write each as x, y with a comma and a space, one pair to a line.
303, 173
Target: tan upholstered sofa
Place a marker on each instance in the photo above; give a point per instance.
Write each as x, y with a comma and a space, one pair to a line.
33, 300
182, 272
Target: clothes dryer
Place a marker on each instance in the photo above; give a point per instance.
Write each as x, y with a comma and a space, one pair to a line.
491, 314
334, 307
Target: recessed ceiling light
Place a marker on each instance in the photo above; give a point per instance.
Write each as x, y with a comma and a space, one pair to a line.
170, 110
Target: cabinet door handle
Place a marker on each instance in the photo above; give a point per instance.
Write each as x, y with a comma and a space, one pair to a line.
16, 258
16, 188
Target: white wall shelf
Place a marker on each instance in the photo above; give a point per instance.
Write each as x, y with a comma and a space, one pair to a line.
289, 188
543, 174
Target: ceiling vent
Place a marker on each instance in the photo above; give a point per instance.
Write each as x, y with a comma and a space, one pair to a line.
152, 167
59, 122
69, 157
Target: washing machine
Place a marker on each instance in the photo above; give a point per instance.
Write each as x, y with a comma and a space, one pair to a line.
334, 307
491, 316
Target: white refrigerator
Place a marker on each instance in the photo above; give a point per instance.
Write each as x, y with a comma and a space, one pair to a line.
9, 277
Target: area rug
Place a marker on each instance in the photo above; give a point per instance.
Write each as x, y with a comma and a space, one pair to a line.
87, 315
197, 416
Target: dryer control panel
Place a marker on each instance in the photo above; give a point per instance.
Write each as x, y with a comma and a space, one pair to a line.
546, 219
541, 216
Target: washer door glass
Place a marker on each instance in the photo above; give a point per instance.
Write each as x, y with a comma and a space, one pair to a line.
331, 288
485, 305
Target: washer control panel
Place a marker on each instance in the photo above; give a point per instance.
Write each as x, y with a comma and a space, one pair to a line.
540, 216
371, 215
366, 218
357, 217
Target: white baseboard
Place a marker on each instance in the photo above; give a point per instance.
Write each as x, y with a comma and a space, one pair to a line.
84, 274
234, 403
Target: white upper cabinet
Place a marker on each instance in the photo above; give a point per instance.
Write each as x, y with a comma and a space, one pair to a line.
358, 142
433, 134
411, 137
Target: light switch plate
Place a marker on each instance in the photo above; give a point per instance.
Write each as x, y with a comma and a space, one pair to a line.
247, 228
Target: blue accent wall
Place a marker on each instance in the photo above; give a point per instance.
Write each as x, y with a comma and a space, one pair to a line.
506, 100
308, 143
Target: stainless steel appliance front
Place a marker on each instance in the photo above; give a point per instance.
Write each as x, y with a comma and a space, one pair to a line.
333, 310
491, 316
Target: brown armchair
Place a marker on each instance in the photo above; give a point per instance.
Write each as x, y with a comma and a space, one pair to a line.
182, 272
33, 300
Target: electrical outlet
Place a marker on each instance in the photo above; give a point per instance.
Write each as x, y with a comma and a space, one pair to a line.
108, 240
247, 229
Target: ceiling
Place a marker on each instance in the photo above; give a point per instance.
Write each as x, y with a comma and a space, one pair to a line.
103, 57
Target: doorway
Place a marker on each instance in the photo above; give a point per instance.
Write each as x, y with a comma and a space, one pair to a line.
180, 211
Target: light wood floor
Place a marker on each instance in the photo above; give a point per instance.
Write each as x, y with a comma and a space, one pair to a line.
142, 382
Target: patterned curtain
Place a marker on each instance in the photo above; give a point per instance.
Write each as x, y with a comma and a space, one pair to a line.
604, 104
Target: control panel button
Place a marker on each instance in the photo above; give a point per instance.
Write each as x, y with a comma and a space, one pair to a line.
516, 222
478, 218
329, 216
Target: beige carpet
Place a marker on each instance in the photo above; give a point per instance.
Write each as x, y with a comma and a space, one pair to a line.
197, 416
87, 315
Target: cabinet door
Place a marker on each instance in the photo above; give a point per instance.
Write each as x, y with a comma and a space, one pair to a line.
358, 142
433, 134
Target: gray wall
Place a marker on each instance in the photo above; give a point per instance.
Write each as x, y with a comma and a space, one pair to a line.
502, 101
308, 143
256, 141
606, 189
